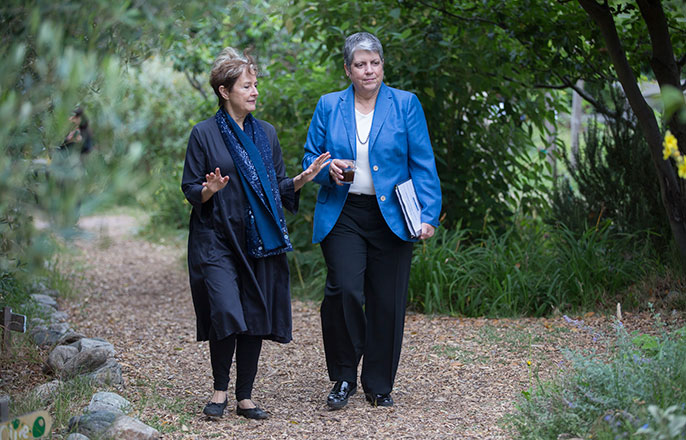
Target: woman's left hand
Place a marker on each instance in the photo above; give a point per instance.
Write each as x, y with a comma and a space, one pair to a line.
427, 231
315, 167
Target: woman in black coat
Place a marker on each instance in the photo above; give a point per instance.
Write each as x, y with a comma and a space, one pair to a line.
235, 179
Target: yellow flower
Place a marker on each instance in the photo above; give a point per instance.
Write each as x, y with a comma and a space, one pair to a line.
666, 153
528, 363
670, 140
670, 145
682, 169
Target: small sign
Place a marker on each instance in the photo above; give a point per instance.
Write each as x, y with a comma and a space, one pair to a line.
17, 323
11, 322
28, 427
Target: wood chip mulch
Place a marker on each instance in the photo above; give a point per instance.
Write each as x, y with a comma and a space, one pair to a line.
456, 380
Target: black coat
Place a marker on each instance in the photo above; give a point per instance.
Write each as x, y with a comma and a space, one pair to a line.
233, 293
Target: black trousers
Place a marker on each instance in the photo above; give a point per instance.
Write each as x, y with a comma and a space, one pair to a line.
247, 354
363, 311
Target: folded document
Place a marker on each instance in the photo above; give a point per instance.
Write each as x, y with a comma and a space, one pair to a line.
410, 206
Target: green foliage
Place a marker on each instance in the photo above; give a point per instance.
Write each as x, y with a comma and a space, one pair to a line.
613, 179
55, 57
668, 424
527, 270
13, 293
608, 398
37, 180
673, 102
163, 113
131, 31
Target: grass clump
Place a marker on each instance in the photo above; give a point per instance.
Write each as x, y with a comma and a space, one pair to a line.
637, 390
530, 270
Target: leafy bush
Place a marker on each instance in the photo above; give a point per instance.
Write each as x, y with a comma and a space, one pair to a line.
669, 424
57, 56
42, 86
163, 113
608, 397
614, 179
528, 270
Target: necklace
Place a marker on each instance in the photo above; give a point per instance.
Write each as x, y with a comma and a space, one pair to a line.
358, 136
357, 133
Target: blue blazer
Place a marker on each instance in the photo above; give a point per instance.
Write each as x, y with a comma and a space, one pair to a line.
399, 149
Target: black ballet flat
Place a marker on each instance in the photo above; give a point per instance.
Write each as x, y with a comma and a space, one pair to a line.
256, 413
215, 410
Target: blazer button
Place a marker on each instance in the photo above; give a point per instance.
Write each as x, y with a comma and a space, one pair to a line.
382, 198
376, 168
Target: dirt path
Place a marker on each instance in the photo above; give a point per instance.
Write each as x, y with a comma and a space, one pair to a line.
457, 377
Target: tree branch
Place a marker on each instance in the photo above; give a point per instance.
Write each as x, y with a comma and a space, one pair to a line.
195, 84
597, 105
568, 83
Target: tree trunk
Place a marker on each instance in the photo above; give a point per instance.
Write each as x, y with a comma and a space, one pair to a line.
670, 186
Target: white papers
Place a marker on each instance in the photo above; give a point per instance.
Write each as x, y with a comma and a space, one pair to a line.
410, 206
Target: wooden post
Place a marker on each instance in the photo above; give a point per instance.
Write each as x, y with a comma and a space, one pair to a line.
6, 317
4, 408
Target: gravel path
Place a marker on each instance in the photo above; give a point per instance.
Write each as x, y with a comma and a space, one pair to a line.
457, 377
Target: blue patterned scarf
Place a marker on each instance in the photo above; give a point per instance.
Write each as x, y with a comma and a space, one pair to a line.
266, 226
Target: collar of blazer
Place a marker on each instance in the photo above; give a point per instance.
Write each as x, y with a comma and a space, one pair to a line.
384, 102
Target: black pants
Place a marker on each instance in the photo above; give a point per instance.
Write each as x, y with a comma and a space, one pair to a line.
247, 354
363, 312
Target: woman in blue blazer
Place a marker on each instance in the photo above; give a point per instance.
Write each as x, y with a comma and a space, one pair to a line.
364, 239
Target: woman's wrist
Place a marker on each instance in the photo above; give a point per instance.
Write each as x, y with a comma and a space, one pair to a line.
298, 182
206, 194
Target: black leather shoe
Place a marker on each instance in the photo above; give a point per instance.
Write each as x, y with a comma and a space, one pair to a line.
341, 391
214, 409
379, 399
256, 413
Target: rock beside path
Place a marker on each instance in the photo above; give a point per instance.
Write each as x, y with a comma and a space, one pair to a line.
92, 424
106, 419
91, 357
112, 402
125, 427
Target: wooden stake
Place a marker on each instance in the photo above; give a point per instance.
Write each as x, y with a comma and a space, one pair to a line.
4, 408
6, 319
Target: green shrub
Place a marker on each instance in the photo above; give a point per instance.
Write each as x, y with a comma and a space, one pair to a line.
669, 424
530, 269
607, 395
613, 179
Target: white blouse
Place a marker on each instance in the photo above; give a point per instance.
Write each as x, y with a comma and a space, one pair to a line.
363, 183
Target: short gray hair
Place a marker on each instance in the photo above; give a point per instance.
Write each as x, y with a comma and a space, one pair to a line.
360, 41
227, 68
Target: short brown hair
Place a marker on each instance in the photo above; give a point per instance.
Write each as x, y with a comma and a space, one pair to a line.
227, 67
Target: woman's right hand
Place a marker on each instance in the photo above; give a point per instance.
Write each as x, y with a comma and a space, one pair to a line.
214, 181
336, 170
